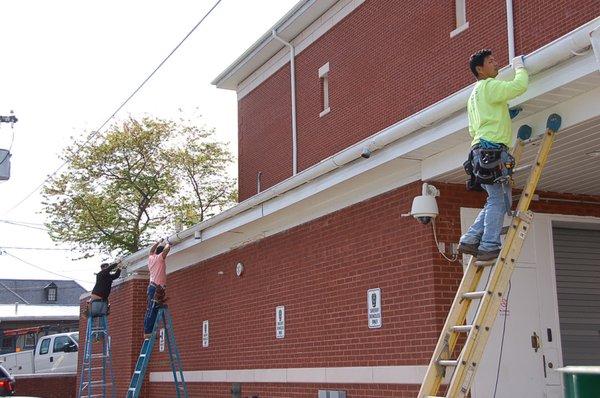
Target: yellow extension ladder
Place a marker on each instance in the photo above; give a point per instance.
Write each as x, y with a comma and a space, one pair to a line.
467, 361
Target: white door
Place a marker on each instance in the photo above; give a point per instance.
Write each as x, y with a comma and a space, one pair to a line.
511, 366
42, 355
63, 359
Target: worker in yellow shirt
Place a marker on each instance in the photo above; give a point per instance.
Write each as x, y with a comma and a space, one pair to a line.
489, 161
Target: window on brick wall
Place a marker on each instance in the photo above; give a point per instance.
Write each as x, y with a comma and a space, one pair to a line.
461, 17
324, 78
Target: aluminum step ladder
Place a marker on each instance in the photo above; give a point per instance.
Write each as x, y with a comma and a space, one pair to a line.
486, 302
137, 380
96, 366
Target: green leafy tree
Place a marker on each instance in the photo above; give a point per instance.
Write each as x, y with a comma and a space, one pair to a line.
145, 177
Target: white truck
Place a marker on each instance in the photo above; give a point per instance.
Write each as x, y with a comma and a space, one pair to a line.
55, 353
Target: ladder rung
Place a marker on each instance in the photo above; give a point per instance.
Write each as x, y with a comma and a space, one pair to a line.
488, 263
448, 362
521, 168
99, 356
474, 295
462, 328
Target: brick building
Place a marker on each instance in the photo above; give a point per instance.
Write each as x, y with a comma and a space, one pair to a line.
318, 225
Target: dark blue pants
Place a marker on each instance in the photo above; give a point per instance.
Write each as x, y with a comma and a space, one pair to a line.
151, 310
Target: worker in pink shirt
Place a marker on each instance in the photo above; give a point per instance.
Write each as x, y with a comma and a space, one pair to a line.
158, 283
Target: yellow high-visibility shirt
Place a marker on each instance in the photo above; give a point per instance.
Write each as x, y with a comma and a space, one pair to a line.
488, 108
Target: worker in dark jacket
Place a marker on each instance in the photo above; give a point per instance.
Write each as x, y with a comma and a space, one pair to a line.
98, 302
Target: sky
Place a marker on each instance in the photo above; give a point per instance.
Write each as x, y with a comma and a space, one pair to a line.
65, 66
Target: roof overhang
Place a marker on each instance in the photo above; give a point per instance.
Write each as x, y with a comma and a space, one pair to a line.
304, 13
429, 145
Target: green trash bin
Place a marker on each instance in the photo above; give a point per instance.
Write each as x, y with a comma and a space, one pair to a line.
581, 381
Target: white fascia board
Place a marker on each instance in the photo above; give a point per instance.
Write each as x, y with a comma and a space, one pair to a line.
289, 26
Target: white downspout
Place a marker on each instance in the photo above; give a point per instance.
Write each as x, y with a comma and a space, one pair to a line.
510, 26
293, 92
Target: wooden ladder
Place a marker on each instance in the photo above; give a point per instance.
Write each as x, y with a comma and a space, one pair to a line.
487, 302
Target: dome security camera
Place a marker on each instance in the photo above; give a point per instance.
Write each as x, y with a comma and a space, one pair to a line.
424, 207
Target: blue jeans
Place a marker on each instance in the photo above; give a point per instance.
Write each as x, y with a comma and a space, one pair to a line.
486, 229
151, 310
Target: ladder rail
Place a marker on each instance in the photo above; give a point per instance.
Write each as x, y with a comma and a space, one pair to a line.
448, 339
87, 386
174, 358
466, 364
137, 380
499, 279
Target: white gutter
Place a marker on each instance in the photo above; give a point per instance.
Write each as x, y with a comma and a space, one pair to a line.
510, 26
543, 58
293, 94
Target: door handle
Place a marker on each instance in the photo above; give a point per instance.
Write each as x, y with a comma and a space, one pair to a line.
51, 359
535, 341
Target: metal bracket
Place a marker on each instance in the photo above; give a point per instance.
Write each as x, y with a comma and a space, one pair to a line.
526, 216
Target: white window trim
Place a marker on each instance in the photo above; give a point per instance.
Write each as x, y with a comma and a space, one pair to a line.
460, 29
461, 18
324, 75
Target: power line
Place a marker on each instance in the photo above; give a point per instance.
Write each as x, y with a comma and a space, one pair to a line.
22, 225
97, 131
44, 269
24, 222
32, 248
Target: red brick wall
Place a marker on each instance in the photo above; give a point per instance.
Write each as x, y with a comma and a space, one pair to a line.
320, 271
388, 60
61, 386
128, 303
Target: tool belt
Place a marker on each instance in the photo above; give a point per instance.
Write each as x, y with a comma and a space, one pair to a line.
488, 163
160, 294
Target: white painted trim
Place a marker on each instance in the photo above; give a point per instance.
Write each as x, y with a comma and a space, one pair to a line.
301, 42
325, 112
460, 29
461, 12
323, 70
356, 375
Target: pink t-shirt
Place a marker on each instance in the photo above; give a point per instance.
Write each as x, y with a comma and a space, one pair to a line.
158, 269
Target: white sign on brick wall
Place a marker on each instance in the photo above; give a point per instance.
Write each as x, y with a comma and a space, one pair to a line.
205, 334
374, 308
161, 340
280, 322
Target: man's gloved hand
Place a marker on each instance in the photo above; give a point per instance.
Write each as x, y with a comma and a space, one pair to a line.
518, 62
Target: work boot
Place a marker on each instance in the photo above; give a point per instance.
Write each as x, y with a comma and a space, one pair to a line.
468, 248
487, 255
